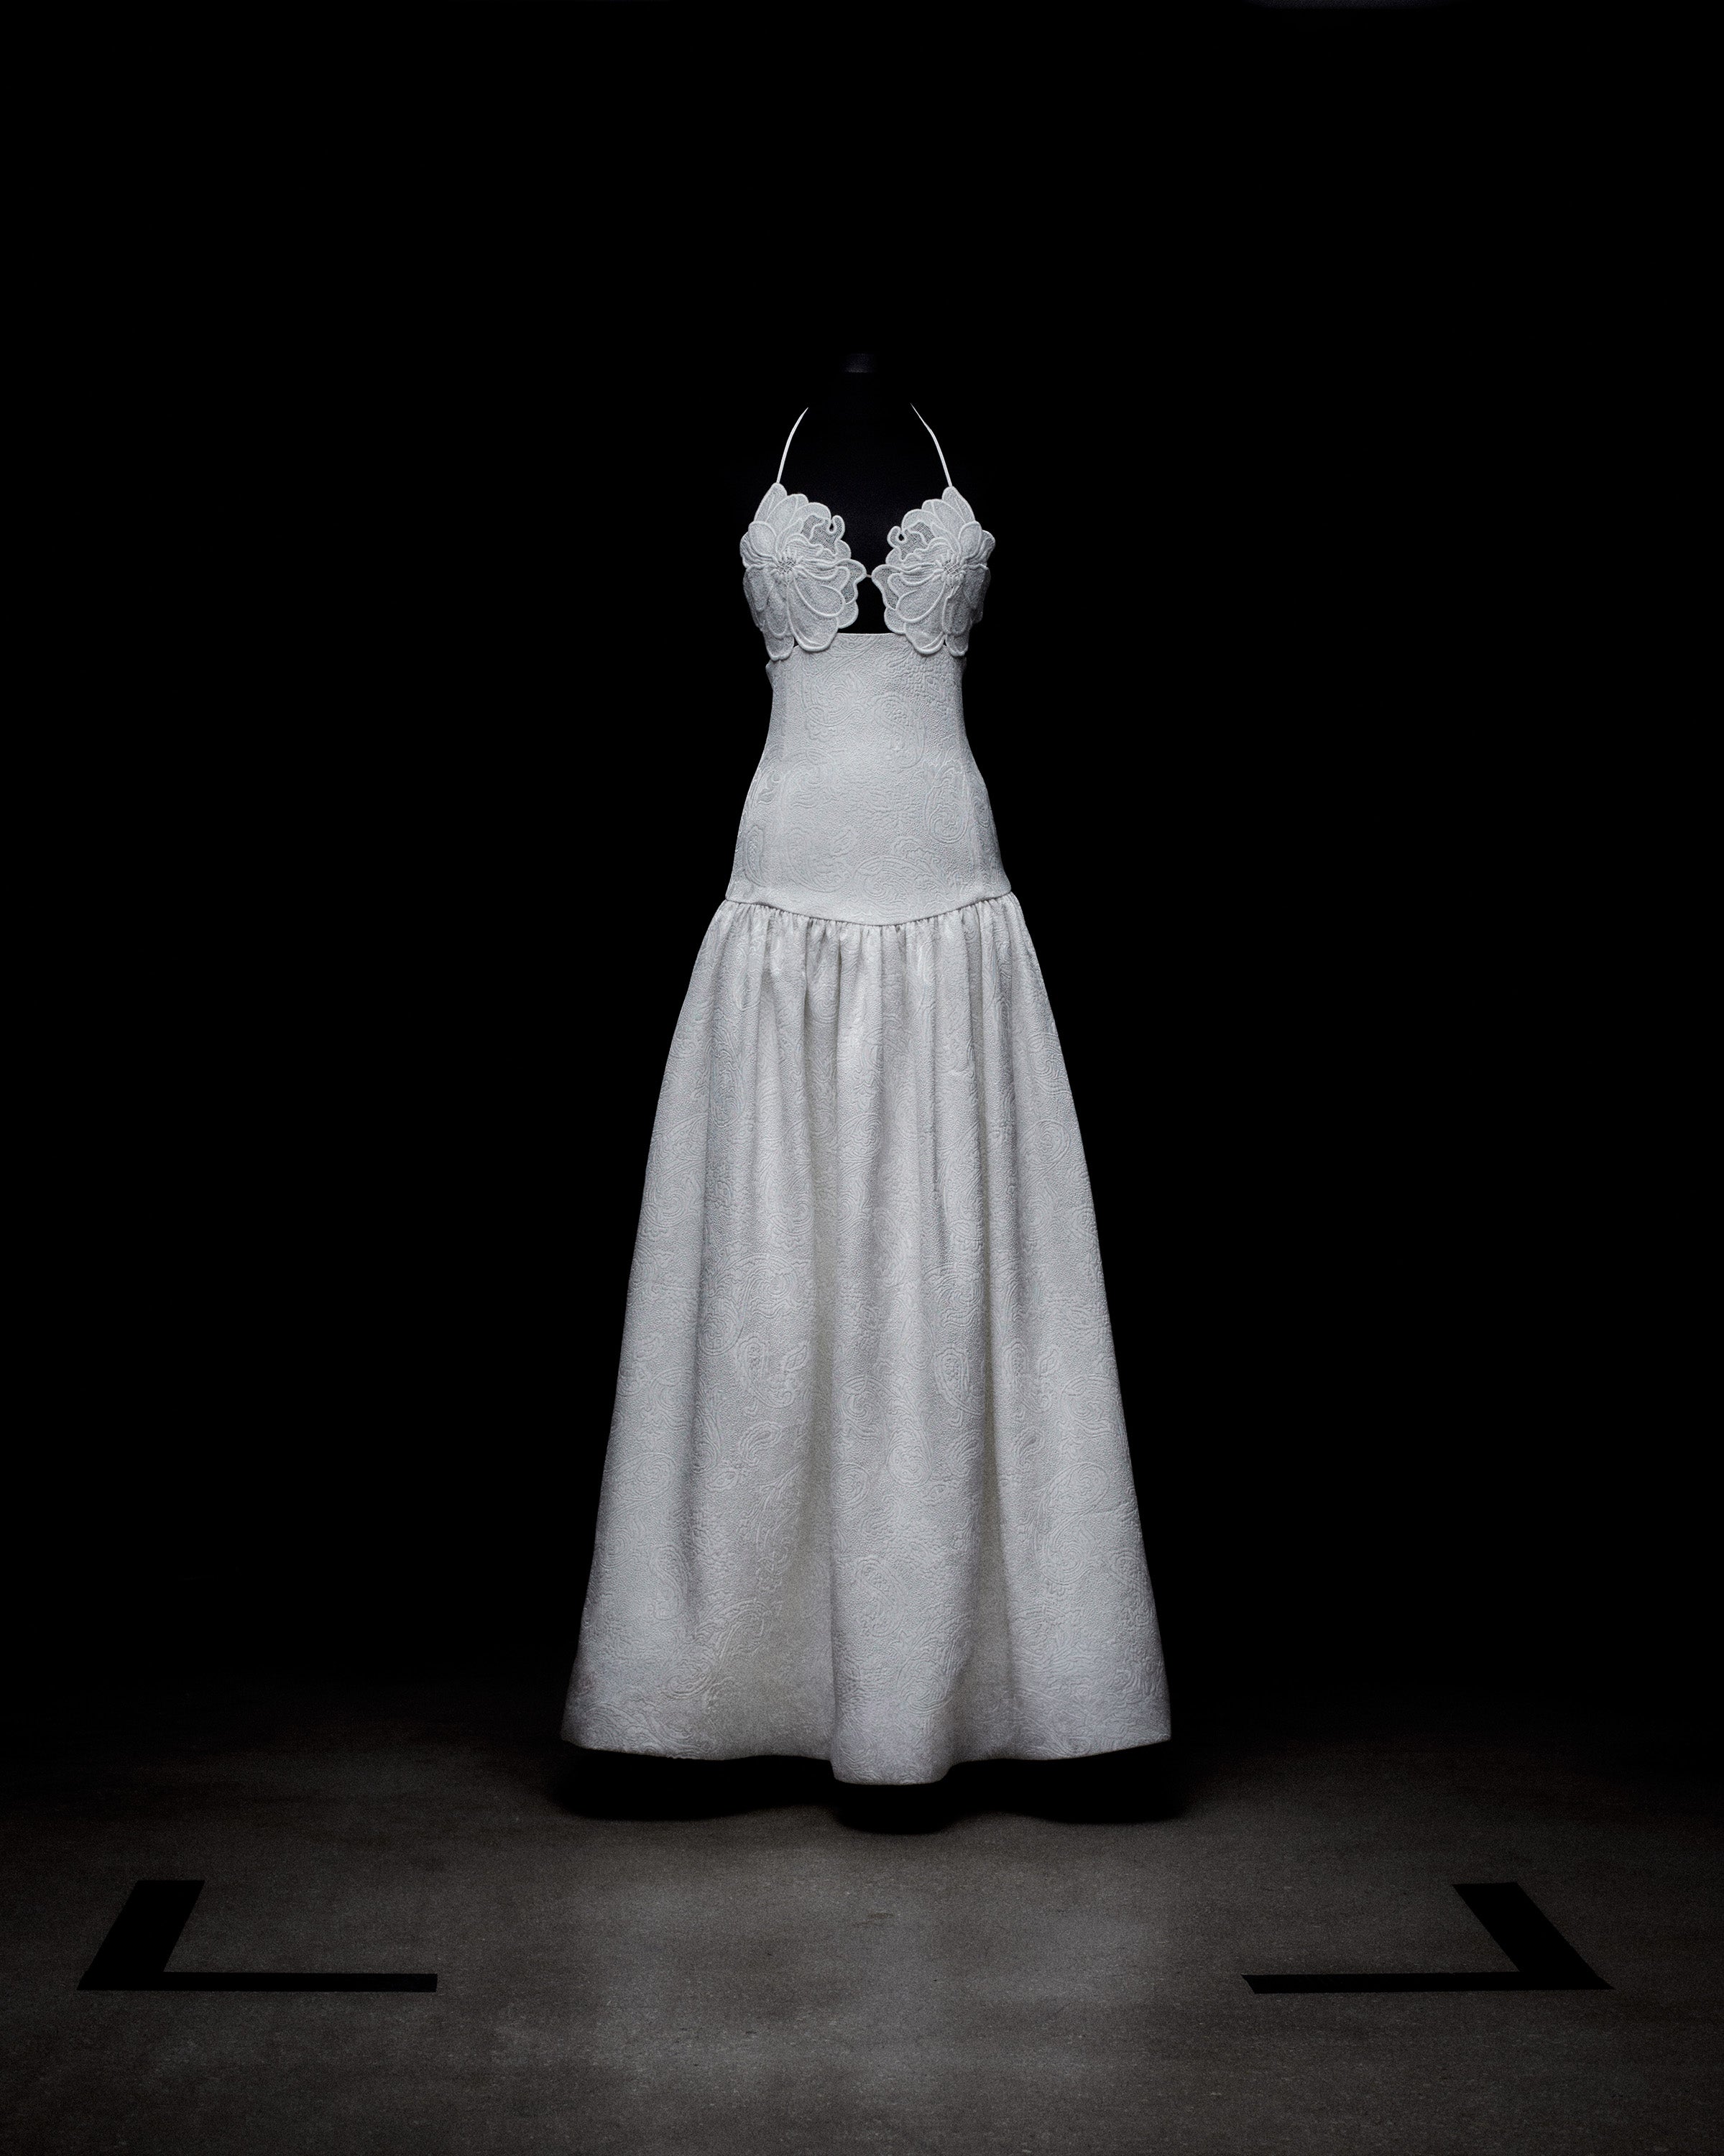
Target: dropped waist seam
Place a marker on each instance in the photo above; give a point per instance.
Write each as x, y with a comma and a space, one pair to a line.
844, 920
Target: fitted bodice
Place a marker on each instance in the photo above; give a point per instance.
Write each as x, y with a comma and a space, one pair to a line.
867, 804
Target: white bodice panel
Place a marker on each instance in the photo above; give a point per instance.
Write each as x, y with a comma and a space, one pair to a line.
867, 805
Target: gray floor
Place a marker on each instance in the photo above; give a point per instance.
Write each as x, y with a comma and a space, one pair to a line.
797, 1974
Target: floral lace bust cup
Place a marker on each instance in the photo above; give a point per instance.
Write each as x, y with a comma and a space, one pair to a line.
800, 577
934, 580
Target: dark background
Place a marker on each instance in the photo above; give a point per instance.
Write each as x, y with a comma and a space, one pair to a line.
400, 758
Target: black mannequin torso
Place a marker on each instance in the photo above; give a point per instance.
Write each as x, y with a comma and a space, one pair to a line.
861, 449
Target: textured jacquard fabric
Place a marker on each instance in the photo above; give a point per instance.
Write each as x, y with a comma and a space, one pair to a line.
867, 1496
867, 804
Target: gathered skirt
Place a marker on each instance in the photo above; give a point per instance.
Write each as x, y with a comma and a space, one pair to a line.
867, 1496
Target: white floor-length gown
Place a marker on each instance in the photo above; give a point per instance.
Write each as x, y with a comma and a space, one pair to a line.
867, 1496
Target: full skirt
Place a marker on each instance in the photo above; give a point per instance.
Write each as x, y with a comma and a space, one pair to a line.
868, 1496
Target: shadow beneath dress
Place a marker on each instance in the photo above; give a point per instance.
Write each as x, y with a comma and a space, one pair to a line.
1113, 1788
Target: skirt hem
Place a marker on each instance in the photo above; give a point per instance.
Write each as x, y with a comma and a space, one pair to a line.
867, 1781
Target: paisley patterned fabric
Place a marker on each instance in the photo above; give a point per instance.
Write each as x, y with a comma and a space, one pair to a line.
867, 802
868, 1496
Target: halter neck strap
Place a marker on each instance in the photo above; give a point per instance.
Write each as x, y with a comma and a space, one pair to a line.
788, 439
779, 476
935, 439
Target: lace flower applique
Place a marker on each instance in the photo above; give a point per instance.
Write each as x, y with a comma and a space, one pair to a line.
934, 578
798, 575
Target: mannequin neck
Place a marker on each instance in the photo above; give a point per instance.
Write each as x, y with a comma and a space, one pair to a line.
861, 449
858, 396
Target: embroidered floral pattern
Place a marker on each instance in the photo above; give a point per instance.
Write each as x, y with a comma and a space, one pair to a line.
798, 574
934, 578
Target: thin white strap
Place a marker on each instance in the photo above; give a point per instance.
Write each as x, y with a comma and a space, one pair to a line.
791, 437
935, 439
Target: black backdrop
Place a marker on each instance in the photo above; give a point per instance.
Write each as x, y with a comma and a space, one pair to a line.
434, 705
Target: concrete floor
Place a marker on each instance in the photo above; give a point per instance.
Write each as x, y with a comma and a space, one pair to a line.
1019, 1961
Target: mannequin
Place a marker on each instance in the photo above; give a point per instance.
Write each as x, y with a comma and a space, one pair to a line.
861, 449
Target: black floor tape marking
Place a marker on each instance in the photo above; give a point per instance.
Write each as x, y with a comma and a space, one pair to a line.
1543, 1960
133, 1955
